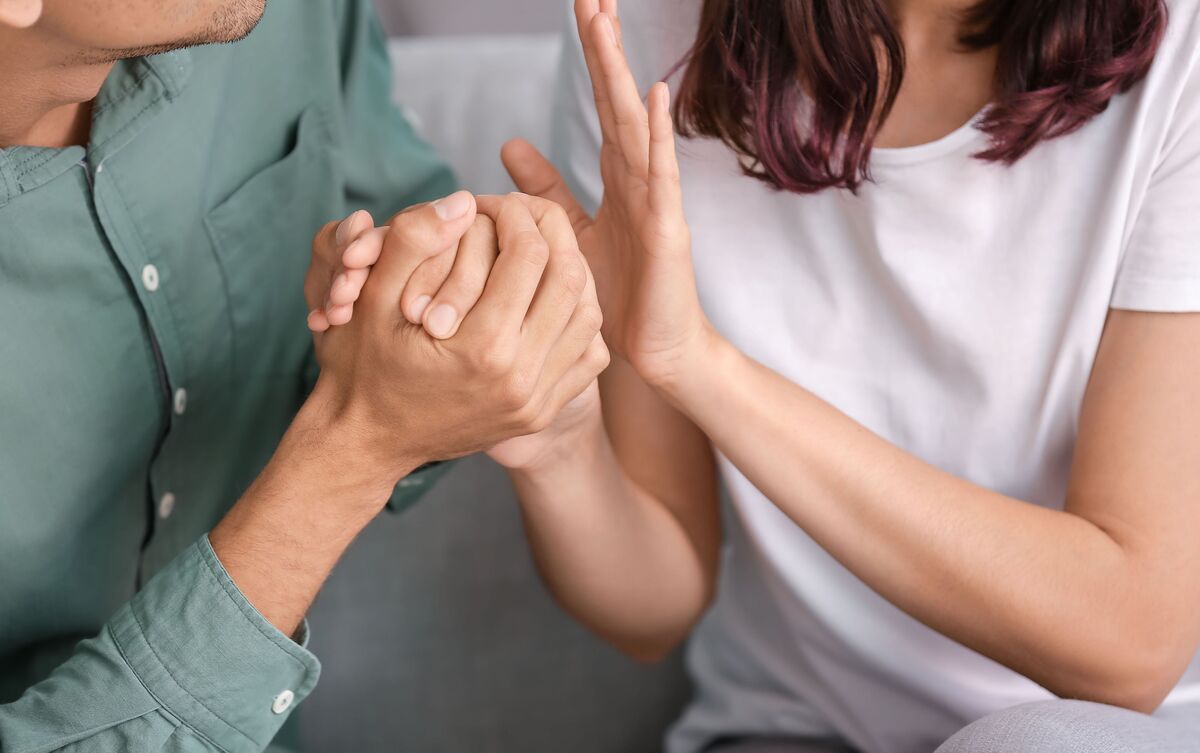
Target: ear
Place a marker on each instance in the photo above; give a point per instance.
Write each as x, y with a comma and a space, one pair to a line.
20, 14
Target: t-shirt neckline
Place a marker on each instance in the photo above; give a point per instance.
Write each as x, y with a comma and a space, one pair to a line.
965, 134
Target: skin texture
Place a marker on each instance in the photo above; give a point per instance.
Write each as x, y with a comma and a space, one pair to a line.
391, 397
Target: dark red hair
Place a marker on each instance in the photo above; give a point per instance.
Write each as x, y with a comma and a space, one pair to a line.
799, 88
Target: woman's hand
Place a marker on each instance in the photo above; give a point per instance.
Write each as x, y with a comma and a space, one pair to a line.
638, 246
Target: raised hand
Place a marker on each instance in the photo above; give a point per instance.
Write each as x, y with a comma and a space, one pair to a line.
638, 246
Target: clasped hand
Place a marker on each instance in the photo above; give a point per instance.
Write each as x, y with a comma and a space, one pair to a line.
500, 351
458, 325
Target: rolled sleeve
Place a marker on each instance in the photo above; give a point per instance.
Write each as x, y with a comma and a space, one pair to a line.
209, 658
414, 486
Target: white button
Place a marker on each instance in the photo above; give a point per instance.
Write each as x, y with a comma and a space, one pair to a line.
166, 505
180, 401
99, 168
283, 701
150, 277
409, 482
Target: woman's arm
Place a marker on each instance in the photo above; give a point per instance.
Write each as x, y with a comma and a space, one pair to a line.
1095, 602
626, 532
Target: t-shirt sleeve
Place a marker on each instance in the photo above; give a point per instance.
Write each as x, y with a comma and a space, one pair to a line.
1160, 270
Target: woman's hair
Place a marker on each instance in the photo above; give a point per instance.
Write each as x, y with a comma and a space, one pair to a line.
799, 88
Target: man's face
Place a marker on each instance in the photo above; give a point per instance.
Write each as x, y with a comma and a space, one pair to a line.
107, 30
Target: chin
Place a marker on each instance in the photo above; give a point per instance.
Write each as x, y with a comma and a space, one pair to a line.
228, 21
233, 20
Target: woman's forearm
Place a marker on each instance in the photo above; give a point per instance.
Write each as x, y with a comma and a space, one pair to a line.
612, 555
1047, 593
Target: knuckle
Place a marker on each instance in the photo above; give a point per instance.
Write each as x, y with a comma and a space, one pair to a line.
599, 357
512, 201
591, 318
556, 214
574, 275
491, 361
531, 246
484, 225
516, 392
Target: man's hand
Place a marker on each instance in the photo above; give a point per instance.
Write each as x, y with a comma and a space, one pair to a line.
528, 347
451, 283
391, 397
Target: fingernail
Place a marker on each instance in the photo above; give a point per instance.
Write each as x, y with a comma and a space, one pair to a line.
418, 308
343, 230
609, 28
441, 320
453, 206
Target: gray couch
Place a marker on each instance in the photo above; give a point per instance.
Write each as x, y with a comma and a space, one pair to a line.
435, 632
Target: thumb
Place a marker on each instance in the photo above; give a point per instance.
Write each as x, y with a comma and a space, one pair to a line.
413, 236
534, 175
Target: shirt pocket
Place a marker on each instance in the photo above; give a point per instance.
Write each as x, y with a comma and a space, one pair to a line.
262, 234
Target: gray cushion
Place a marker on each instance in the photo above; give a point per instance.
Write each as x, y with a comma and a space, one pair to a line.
437, 635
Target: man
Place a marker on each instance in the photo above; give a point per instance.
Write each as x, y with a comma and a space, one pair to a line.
157, 205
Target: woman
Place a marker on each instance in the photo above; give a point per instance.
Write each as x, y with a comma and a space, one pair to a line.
947, 255
955, 406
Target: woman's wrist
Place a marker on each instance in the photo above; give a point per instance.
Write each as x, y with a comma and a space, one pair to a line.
573, 453
701, 371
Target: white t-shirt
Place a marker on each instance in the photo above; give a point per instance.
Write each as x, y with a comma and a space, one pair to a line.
953, 307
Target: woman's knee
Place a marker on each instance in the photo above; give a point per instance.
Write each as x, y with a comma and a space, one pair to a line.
1065, 727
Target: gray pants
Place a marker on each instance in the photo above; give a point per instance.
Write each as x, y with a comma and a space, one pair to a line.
1047, 727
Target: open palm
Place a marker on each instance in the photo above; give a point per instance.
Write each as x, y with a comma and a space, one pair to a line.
638, 245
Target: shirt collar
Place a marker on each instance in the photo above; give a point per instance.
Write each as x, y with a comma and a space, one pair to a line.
135, 91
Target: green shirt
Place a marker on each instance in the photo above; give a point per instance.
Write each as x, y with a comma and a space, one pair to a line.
154, 350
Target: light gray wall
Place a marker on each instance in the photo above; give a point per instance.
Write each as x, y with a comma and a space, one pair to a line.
421, 17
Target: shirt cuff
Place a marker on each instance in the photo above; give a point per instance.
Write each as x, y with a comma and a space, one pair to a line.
413, 486
209, 657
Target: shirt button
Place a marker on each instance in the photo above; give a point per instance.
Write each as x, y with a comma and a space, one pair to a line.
180, 401
408, 483
283, 702
166, 505
150, 277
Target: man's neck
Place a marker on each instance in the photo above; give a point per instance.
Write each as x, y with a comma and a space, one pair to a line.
45, 94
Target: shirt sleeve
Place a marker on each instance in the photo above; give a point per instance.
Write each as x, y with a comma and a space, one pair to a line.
188, 665
1160, 270
388, 167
